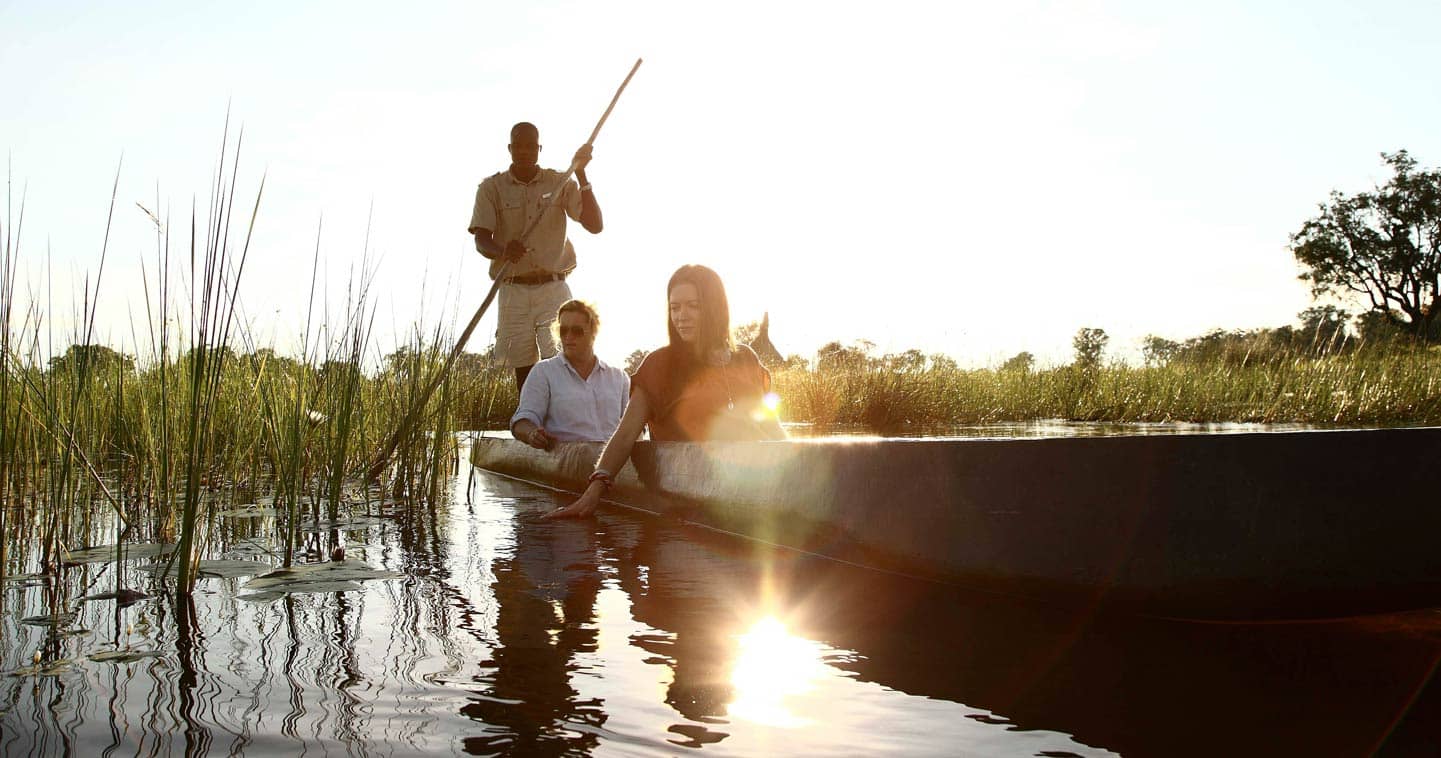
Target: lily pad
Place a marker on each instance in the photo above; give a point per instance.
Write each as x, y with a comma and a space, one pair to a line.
50, 619
53, 668
229, 569
123, 656
332, 576
125, 596
329, 571
106, 553
260, 597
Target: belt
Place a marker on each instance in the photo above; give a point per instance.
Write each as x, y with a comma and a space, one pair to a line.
536, 278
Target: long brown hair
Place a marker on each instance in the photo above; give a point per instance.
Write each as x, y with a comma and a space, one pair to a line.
715, 323
715, 320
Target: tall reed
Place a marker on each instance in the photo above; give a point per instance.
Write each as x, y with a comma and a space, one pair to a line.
9, 370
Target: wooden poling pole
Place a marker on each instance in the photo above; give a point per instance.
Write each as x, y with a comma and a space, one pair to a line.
372, 472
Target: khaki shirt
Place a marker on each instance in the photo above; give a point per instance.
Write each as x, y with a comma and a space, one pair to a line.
506, 206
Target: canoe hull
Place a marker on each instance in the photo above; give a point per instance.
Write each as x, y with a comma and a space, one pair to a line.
1243, 526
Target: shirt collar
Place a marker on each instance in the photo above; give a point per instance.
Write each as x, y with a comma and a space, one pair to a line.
539, 174
599, 364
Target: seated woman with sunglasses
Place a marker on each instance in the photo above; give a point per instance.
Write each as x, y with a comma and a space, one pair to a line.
571, 396
699, 387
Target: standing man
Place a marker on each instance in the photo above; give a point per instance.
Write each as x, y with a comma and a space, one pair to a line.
573, 395
534, 286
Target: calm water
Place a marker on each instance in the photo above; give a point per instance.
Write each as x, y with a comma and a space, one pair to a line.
631, 636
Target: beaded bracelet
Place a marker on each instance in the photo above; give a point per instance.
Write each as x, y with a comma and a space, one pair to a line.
602, 476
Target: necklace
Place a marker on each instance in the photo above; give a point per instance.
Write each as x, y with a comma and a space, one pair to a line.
720, 358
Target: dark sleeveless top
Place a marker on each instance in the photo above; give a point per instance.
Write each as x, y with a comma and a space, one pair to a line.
713, 403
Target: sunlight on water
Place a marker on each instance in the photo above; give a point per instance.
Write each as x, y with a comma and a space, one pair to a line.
772, 667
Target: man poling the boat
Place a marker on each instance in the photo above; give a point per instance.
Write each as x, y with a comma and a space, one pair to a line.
701, 386
407, 423
531, 270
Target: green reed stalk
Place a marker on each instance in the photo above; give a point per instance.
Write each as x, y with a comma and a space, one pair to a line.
211, 317
344, 384
9, 423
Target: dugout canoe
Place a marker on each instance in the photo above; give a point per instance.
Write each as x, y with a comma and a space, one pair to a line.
1274, 525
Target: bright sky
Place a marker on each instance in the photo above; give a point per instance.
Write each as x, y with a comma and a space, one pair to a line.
970, 178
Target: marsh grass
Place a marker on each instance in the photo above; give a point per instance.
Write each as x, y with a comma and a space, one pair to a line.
163, 439
1386, 385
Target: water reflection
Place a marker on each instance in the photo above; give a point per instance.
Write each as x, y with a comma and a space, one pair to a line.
510, 635
545, 587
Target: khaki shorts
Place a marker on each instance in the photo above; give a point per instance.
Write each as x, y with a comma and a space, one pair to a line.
522, 334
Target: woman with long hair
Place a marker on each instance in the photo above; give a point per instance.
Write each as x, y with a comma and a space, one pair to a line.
701, 386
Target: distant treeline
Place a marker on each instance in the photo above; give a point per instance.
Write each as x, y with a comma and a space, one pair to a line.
1324, 330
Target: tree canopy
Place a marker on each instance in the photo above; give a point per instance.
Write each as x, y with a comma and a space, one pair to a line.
1383, 246
92, 360
1089, 344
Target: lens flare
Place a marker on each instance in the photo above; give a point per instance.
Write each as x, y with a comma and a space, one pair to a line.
768, 408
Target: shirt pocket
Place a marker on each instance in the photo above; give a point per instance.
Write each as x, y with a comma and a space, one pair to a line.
512, 214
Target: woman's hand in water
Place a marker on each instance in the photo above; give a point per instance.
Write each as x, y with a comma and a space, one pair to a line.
582, 507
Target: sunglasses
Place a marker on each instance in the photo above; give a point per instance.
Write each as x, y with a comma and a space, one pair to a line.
578, 331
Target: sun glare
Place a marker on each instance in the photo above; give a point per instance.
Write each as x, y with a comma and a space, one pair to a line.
773, 667
768, 407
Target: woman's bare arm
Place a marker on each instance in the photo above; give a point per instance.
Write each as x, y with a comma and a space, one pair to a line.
612, 458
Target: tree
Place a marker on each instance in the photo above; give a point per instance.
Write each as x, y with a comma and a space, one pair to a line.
835, 357
632, 361
746, 332
1383, 246
91, 360
943, 362
267, 360
1158, 351
1089, 343
1323, 329
1021, 363
911, 360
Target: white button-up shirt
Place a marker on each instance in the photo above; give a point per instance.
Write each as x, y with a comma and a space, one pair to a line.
570, 408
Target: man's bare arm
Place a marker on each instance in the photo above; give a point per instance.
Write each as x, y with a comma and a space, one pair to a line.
486, 245
590, 217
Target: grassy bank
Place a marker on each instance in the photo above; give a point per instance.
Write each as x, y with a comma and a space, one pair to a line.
1391, 386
